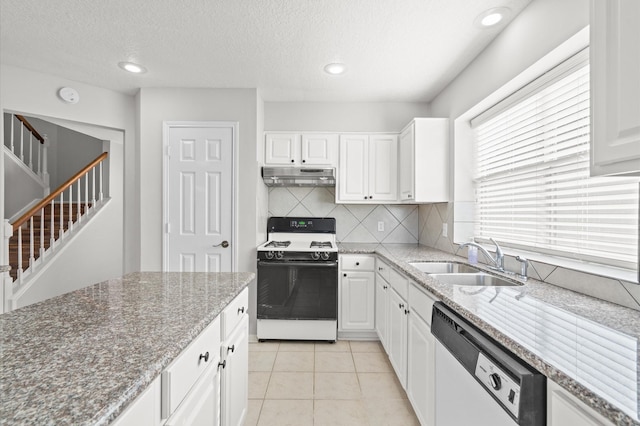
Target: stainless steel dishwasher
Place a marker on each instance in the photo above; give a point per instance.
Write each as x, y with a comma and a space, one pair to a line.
478, 381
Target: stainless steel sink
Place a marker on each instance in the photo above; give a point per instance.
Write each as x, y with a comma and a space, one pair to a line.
479, 279
444, 267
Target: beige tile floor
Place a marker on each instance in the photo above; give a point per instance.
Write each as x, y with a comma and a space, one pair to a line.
315, 384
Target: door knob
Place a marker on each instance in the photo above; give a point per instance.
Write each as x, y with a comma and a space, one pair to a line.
224, 244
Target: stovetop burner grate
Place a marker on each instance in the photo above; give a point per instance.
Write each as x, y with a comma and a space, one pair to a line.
279, 244
321, 244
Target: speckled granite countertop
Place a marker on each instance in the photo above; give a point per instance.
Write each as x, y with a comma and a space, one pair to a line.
588, 346
80, 358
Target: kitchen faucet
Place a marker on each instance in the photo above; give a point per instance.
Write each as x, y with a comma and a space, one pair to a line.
499, 259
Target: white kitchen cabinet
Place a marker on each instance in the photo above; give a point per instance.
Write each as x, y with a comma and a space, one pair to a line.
234, 394
145, 410
382, 302
201, 406
368, 169
424, 161
420, 356
565, 409
301, 149
397, 334
357, 297
615, 87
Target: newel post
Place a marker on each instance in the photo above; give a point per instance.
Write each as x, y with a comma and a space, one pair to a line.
6, 283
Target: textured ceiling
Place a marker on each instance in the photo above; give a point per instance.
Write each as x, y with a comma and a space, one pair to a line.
395, 50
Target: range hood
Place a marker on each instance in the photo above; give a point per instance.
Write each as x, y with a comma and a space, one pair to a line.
298, 176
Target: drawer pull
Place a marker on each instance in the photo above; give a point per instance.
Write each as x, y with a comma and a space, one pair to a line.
401, 306
384, 287
222, 364
241, 310
231, 348
344, 275
205, 356
357, 263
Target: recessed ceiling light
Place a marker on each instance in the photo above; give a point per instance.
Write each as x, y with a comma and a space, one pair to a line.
132, 68
335, 68
492, 17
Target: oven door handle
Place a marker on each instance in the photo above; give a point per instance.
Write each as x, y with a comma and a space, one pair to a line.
297, 263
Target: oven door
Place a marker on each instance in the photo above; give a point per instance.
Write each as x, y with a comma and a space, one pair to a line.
297, 290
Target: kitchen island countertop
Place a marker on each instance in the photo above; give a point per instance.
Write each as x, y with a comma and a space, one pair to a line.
594, 354
82, 357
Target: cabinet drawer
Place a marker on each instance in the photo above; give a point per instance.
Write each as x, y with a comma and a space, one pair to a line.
399, 283
382, 268
357, 263
233, 314
184, 371
420, 302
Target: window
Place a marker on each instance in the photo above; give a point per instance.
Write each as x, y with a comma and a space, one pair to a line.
533, 189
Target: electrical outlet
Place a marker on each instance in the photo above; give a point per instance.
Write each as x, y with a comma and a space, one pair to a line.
445, 230
381, 226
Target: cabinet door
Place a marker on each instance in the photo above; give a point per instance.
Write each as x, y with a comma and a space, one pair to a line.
383, 168
382, 293
398, 335
421, 369
282, 149
200, 407
406, 162
615, 87
145, 410
353, 170
565, 409
319, 149
235, 376
357, 301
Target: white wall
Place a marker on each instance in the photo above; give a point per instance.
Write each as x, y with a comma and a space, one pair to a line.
158, 105
342, 116
34, 94
23, 187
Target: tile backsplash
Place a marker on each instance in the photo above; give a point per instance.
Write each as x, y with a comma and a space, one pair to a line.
356, 223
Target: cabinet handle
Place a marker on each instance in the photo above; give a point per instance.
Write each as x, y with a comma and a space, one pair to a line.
293, 161
222, 364
241, 310
365, 197
304, 161
205, 356
357, 263
401, 305
231, 348
406, 311
384, 287
371, 197
344, 275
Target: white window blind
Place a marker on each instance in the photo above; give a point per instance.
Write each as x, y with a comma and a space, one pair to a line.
533, 187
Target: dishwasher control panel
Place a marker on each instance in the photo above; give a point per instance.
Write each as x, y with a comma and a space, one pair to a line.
497, 382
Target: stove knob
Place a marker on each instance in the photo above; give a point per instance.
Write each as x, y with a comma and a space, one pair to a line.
495, 381
315, 255
324, 255
269, 255
279, 254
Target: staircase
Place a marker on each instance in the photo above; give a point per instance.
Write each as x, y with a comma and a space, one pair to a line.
47, 230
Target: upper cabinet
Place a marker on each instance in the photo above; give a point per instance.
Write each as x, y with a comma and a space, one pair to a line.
301, 149
368, 168
424, 161
615, 87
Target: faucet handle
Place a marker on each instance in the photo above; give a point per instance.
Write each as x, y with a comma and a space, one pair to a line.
523, 267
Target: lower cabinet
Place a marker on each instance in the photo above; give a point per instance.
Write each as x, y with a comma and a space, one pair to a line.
356, 304
235, 376
397, 335
565, 409
207, 384
382, 304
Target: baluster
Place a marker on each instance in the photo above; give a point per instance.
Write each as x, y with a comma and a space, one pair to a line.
86, 192
52, 231
45, 172
42, 210
31, 242
61, 229
13, 134
100, 176
20, 252
70, 223
22, 143
93, 187
31, 150
78, 215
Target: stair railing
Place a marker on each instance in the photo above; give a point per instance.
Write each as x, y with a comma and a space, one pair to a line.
20, 151
92, 176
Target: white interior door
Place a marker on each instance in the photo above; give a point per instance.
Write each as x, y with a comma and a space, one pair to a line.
198, 197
